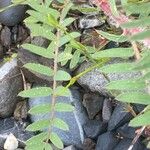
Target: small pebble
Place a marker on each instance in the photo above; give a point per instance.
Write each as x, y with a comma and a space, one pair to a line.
11, 142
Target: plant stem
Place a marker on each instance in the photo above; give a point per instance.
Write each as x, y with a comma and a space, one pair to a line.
136, 50
58, 35
54, 96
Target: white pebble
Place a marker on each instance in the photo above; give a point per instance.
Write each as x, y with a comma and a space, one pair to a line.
11, 142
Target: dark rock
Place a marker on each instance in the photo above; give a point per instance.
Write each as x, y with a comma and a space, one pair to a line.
75, 136
111, 45
89, 144
21, 110
87, 22
24, 56
107, 110
119, 117
90, 37
1, 52
125, 143
138, 107
22, 34
10, 84
14, 32
107, 141
127, 131
8, 126
6, 37
13, 15
93, 128
93, 103
95, 80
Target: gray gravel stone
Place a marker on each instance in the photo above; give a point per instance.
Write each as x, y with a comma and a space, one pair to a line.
93, 103
107, 141
125, 143
10, 84
127, 131
107, 110
9, 125
96, 82
75, 120
89, 22
119, 117
6, 37
93, 128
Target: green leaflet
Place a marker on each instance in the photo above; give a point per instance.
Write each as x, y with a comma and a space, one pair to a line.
113, 7
37, 15
133, 8
62, 107
52, 21
62, 76
43, 9
141, 35
59, 123
118, 68
39, 69
36, 92
30, 20
144, 22
40, 109
48, 2
39, 30
134, 97
146, 76
67, 38
37, 139
126, 85
144, 63
67, 21
75, 59
66, 9
39, 146
112, 37
114, 52
62, 91
38, 50
56, 140
68, 50
64, 56
141, 120
39, 125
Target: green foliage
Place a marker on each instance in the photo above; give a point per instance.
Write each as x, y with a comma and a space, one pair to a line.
134, 90
48, 22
